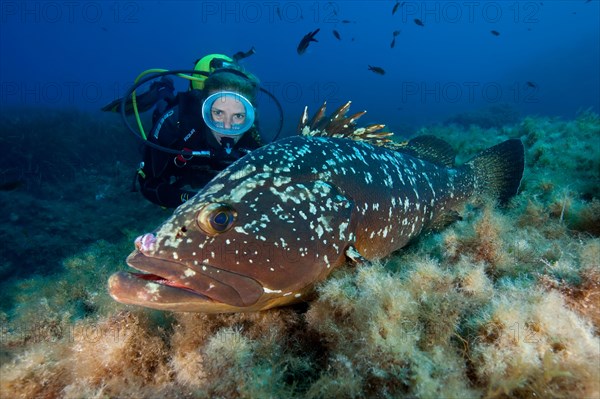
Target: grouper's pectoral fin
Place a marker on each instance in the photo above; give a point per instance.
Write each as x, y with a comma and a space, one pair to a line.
355, 256
444, 220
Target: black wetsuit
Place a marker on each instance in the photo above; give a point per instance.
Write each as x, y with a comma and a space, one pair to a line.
169, 180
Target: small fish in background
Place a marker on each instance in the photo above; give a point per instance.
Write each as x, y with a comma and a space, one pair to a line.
347, 21
104, 29
531, 84
337, 34
278, 10
395, 33
419, 22
396, 6
495, 32
377, 70
309, 37
240, 55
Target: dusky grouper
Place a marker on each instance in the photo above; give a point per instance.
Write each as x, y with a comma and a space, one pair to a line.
265, 230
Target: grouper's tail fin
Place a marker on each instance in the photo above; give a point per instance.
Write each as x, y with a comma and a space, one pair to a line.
499, 170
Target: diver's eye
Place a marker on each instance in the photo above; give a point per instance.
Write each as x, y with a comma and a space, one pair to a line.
216, 218
217, 114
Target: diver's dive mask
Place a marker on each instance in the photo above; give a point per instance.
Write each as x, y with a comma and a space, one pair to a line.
228, 113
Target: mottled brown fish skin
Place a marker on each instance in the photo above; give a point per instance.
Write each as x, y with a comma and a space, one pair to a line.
300, 204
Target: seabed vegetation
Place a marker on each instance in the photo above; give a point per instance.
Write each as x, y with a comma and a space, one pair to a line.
502, 304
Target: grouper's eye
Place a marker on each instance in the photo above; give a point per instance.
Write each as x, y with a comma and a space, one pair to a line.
216, 218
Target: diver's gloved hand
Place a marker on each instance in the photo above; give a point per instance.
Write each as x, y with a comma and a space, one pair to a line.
163, 89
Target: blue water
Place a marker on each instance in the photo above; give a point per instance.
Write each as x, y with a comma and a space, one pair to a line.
85, 54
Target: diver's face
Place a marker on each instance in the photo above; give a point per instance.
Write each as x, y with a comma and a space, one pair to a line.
228, 112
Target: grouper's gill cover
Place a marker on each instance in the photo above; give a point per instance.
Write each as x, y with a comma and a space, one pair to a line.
279, 220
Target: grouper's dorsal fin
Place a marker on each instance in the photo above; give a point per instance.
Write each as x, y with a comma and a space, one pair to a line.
429, 148
338, 125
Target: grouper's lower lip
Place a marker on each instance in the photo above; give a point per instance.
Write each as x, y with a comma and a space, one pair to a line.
132, 290
158, 271
175, 285
153, 288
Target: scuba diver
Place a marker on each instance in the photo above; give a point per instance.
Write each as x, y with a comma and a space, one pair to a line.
210, 126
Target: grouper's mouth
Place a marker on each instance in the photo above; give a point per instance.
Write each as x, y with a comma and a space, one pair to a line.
163, 281
171, 285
